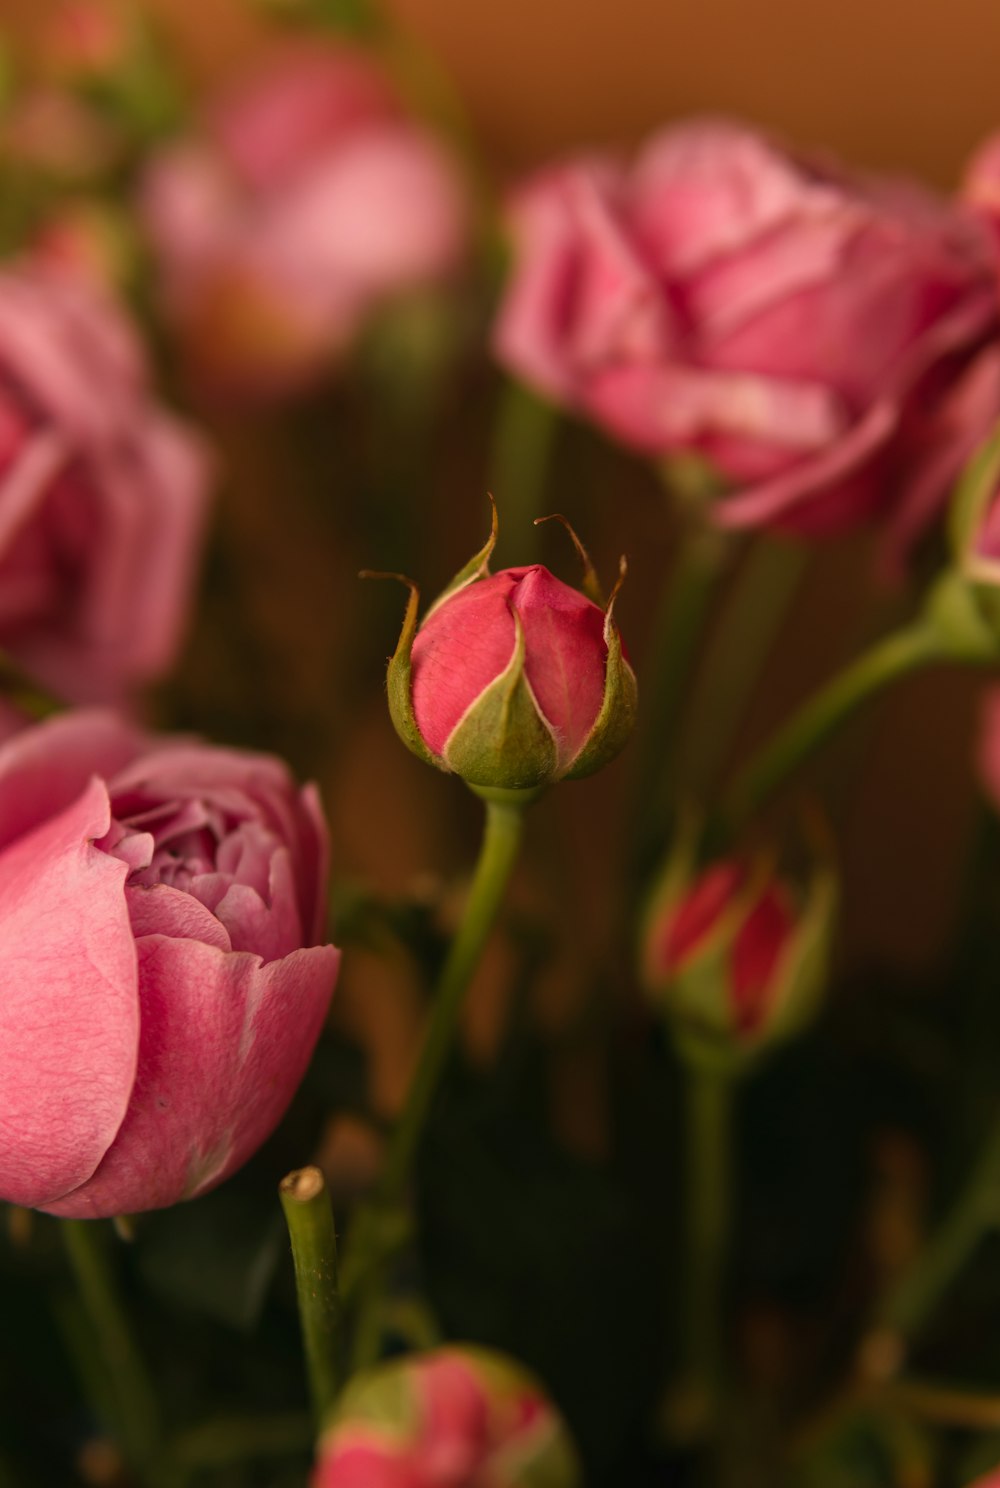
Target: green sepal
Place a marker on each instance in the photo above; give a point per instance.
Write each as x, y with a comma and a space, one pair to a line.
399, 675
478, 566
963, 617
502, 741
977, 483
590, 584
616, 719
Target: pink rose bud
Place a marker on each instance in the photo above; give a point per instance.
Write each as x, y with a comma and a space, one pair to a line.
102, 495
810, 334
308, 200
513, 681
163, 979
735, 954
460, 1416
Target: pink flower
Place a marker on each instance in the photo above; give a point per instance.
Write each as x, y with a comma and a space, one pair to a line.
736, 954
805, 331
308, 200
510, 677
162, 977
460, 1417
101, 495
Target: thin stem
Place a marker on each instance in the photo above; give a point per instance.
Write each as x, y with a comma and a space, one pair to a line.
708, 1181
137, 1416
523, 441
737, 652
677, 630
944, 1405
501, 840
309, 1216
893, 657
374, 1229
912, 1301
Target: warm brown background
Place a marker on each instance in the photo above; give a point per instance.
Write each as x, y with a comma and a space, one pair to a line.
893, 83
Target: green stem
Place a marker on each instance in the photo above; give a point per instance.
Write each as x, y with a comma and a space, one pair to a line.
903, 651
501, 840
708, 1182
523, 441
309, 1216
373, 1230
677, 629
137, 1416
912, 1301
762, 591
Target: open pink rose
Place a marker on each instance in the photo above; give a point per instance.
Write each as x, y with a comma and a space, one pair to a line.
101, 495
307, 200
812, 334
162, 981
459, 1417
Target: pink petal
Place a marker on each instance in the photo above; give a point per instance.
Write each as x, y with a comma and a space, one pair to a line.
69, 1005
225, 1041
384, 212
161, 909
461, 648
711, 188
565, 656
757, 950
296, 107
354, 1461
44, 768
697, 915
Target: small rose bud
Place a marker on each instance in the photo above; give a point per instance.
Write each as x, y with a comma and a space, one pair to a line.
462, 1416
736, 954
513, 680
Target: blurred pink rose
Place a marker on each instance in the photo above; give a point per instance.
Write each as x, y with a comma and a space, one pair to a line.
308, 199
162, 981
101, 495
736, 954
460, 1417
812, 334
981, 182
758, 921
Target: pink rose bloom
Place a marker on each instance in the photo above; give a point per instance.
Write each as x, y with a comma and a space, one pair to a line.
102, 495
813, 335
460, 1417
162, 977
308, 199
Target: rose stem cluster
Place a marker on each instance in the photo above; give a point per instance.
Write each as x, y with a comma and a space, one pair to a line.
309, 1216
